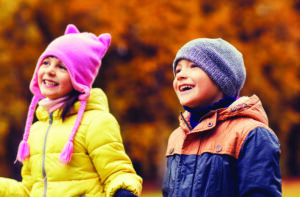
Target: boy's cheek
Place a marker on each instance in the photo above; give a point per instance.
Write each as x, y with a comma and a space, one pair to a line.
176, 91
175, 85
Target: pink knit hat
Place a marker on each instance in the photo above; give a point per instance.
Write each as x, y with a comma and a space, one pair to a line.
82, 54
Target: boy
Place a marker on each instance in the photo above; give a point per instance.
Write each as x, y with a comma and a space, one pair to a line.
223, 146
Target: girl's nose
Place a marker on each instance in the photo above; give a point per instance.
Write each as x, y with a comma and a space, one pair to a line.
51, 69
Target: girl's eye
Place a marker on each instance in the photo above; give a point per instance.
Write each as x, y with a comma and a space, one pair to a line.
62, 67
46, 62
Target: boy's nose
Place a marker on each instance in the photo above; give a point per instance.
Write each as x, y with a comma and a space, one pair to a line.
181, 75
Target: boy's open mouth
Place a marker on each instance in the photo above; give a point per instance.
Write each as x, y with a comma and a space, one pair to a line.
186, 87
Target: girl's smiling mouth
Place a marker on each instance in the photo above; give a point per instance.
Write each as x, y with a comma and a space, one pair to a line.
49, 83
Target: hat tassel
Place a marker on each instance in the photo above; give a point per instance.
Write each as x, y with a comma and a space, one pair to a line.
66, 154
23, 151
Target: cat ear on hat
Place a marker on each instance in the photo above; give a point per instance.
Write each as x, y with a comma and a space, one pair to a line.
71, 29
105, 39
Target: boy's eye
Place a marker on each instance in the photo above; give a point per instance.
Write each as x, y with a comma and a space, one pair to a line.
194, 66
177, 71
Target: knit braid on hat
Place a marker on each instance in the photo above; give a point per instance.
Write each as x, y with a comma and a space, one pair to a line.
82, 54
23, 151
221, 61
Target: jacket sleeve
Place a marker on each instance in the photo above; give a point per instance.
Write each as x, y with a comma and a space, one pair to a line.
105, 147
11, 187
258, 169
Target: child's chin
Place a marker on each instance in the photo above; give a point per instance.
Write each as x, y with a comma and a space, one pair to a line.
187, 104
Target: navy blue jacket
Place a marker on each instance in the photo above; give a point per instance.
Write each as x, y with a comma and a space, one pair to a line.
230, 153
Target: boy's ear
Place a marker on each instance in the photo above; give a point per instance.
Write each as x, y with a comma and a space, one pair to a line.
71, 29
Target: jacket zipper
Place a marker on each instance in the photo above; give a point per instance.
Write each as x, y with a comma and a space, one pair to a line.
197, 155
187, 124
44, 155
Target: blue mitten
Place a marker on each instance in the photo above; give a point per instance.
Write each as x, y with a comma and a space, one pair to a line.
124, 193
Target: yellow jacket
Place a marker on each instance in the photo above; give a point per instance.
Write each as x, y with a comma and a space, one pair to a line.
99, 164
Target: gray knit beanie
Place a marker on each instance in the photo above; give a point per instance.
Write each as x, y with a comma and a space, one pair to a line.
221, 61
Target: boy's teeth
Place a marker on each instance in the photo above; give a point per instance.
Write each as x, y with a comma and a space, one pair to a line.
185, 87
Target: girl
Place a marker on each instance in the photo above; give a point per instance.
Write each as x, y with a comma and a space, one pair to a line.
75, 147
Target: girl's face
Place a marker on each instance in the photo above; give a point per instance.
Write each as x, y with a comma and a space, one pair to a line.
193, 86
54, 79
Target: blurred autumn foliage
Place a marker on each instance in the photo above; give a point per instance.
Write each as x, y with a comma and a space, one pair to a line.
137, 73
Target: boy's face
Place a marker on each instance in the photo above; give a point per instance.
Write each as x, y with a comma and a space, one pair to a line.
54, 79
193, 86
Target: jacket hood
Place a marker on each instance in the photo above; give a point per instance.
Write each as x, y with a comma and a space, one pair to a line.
250, 107
96, 101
